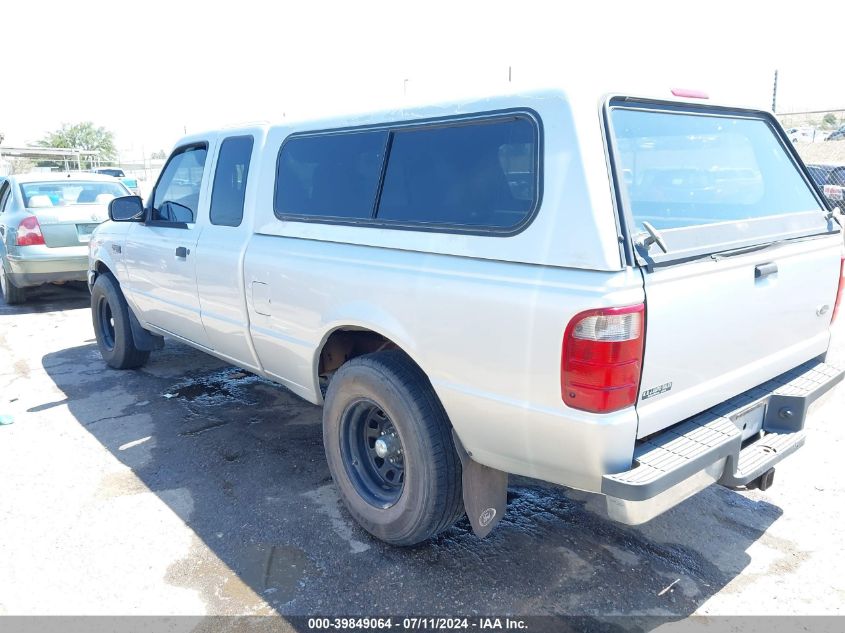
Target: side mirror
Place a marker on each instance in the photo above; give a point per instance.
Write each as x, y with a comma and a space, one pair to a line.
126, 209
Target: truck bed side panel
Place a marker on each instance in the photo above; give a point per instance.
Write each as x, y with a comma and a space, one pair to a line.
488, 334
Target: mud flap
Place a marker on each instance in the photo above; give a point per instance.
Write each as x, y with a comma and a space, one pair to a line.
144, 340
485, 492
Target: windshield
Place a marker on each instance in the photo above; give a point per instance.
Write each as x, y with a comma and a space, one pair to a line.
38, 195
682, 170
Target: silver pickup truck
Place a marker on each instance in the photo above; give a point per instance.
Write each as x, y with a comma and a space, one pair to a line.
628, 296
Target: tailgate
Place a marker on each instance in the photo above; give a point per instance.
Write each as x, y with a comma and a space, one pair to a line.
716, 328
739, 255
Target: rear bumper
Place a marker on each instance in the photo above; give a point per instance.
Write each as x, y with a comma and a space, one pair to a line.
35, 265
733, 444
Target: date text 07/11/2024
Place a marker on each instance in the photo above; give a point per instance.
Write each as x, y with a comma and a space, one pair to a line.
418, 623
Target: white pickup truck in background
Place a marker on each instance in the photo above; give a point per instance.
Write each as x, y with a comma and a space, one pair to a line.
632, 299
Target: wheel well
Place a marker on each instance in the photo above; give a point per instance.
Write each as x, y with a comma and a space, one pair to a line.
100, 268
346, 343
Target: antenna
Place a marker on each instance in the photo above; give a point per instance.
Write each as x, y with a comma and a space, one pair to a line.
775, 93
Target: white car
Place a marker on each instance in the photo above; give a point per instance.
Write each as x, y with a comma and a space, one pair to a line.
802, 135
632, 299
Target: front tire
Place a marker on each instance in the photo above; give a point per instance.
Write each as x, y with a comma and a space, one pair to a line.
389, 448
110, 314
11, 293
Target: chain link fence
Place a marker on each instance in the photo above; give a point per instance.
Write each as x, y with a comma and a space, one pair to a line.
819, 138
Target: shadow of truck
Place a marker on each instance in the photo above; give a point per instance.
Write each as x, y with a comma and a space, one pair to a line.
240, 461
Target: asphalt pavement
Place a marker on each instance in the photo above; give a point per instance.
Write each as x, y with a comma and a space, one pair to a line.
192, 487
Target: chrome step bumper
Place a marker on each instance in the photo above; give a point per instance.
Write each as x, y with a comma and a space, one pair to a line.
733, 443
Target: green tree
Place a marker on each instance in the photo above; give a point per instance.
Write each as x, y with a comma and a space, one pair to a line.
160, 154
829, 120
82, 136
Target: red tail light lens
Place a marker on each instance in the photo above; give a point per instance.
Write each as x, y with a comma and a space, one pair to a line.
602, 359
29, 232
839, 290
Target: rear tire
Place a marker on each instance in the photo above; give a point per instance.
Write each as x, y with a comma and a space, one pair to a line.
110, 314
415, 491
11, 293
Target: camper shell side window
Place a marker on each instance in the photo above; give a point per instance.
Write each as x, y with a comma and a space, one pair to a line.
464, 175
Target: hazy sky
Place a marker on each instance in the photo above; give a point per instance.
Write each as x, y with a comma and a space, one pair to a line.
150, 69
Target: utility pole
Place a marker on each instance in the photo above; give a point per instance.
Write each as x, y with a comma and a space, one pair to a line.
775, 93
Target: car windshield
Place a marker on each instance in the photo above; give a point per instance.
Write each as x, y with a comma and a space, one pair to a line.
117, 173
682, 169
38, 195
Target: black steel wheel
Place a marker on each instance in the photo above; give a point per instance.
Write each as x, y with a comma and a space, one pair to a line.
112, 326
390, 450
105, 322
372, 453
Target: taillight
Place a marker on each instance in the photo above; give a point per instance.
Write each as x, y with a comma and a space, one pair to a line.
602, 359
839, 290
29, 232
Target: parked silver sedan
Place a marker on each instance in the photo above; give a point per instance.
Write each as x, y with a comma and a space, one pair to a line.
46, 221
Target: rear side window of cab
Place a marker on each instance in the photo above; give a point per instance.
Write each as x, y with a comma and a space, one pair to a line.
465, 175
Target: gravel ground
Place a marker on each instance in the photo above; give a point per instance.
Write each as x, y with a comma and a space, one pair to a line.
191, 487
829, 152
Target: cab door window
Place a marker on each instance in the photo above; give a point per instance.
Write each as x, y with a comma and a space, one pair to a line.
229, 188
177, 193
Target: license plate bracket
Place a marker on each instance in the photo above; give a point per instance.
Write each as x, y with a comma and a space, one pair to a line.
750, 421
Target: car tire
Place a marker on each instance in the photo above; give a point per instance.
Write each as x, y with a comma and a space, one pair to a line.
11, 293
386, 395
110, 314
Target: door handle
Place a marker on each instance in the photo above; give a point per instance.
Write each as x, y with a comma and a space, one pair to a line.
181, 251
764, 270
